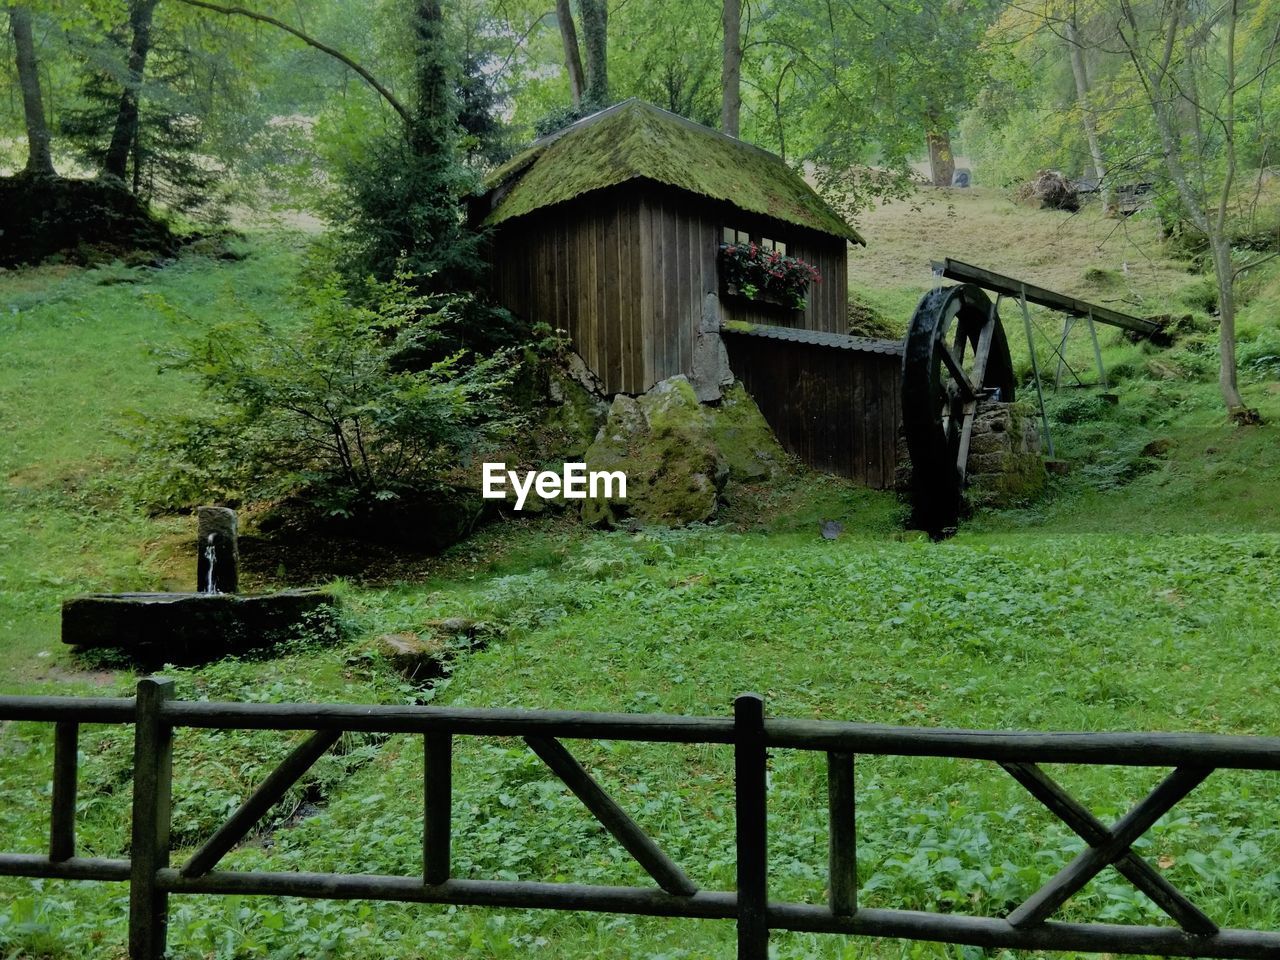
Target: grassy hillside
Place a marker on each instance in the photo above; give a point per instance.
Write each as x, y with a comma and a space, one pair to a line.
1143, 592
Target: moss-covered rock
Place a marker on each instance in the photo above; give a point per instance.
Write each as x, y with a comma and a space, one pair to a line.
663, 443
85, 221
412, 656
744, 438
574, 414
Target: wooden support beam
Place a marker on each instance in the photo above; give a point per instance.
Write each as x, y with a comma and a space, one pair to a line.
149, 837
999, 283
626, 831
1070, 879
268, 794
750, 774
1095, 833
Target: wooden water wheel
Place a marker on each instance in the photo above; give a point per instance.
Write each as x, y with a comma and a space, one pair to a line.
955, 354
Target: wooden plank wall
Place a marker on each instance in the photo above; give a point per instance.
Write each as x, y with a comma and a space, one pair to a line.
836, 410
624, 273
579, 272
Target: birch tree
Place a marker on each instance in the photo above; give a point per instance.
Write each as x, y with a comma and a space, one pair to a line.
1195, 71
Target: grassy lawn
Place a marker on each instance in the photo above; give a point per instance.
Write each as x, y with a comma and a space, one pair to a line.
1142, 593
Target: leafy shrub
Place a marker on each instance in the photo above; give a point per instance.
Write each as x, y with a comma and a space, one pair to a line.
336, 411
1260, 357
1080, 409
563, 116
1202, 295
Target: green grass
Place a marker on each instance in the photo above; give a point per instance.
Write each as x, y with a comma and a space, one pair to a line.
1142, 592
78, 369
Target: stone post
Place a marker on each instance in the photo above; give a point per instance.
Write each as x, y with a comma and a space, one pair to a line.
217, 551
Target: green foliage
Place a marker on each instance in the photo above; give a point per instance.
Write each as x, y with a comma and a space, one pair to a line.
167, 158
398, 209
565, 115
329, 412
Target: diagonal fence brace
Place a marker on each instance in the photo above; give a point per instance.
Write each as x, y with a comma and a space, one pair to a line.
1095, 833
260, 801
1071, 879
614, 819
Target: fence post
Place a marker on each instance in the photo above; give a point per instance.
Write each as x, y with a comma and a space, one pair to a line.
149, 848
62, 818
749, 773
437, 806
842, 850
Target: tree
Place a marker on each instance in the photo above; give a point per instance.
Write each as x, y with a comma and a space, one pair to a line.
1088, 116
124, 136
39, 154
1193, 70
572, 56
942, 161
595, 43
854, 88
731, 72
164, 155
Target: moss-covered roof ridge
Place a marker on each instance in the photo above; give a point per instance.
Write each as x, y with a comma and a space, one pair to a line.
636, 140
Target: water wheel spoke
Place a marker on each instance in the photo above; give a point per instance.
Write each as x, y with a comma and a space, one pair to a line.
956, 370
982, 352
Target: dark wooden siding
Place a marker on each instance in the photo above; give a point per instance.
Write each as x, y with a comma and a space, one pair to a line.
624, 272
836, 410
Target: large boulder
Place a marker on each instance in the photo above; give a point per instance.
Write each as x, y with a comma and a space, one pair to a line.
744, 438
678, 454
575, 412
86, 221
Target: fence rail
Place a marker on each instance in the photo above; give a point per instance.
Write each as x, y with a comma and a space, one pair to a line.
155, 714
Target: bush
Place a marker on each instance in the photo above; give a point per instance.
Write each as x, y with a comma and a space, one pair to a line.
1260, 358
330, 412
1081, 408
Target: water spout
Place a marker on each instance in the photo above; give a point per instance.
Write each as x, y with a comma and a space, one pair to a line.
217, 556
211, 555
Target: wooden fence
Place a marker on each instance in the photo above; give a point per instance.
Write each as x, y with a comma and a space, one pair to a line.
155, 714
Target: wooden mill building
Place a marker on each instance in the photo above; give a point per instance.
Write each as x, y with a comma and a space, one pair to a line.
610, 230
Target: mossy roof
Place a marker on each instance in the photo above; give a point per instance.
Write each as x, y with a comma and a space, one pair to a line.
636, 140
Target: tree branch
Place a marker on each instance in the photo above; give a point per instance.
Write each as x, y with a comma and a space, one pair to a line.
310, 41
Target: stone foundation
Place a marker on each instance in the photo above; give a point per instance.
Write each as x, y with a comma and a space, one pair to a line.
1005, 466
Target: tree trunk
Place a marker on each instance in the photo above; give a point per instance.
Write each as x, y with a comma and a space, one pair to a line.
1088, 119
431, 130
731, 68
572, 57
942, 163
1227, 382
39, 158
125, 135
595, 36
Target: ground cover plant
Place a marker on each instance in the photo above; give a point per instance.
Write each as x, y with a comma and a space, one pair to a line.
1140, 593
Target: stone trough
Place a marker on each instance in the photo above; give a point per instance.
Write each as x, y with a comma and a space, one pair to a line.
212, 622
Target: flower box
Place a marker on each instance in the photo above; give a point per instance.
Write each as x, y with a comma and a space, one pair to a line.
733, 292
750, 272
